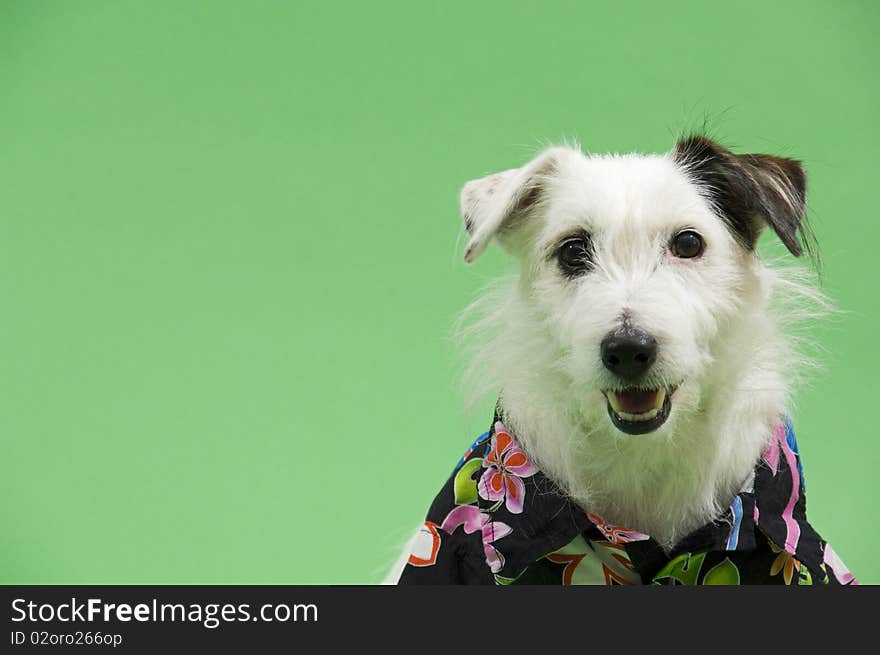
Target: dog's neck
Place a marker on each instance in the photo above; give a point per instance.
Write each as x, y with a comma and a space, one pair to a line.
663, 485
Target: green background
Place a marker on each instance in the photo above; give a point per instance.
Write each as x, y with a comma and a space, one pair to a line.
230, 255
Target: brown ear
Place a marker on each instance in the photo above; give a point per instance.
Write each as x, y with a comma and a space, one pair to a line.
494, 204
750, 191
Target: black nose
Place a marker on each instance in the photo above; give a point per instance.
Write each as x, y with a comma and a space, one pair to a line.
629, 353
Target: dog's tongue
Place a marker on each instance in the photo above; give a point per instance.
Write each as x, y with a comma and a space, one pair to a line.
636, 401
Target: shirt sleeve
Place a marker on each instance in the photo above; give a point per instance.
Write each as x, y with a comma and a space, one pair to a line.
449, 546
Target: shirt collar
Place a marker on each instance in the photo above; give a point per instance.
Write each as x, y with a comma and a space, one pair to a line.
537, 518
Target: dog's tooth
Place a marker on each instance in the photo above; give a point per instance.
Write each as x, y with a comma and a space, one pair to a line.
661, 398
612, 398
652, 413
646, 416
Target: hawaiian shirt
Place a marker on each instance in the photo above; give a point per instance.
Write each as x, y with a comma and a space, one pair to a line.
498, 519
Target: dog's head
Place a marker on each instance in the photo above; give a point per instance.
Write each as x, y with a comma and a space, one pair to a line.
631, 266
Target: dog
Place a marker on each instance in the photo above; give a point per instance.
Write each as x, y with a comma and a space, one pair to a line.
643, 365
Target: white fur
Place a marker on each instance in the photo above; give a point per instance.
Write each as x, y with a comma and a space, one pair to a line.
719, 321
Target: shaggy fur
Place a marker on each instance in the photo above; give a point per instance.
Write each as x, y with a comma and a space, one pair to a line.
719, 320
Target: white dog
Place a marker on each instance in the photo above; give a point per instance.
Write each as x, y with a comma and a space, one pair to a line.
643, 372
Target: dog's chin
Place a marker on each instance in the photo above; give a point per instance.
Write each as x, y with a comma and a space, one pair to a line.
637, 411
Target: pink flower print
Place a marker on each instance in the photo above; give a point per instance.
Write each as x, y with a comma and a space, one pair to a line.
506, 464
493, 530
615, 533
472, 519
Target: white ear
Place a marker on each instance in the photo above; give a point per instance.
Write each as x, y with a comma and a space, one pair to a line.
488, 204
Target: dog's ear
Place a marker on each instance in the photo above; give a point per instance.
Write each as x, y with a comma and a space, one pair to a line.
491, 206
750, 191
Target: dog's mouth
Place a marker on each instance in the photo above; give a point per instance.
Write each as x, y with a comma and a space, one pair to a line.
639, 411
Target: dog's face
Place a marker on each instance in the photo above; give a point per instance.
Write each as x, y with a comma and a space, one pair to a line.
632, 265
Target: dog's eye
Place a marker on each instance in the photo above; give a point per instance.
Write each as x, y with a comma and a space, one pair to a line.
687, 245
575, 255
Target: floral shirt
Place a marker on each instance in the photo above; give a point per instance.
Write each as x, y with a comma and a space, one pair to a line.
498, 519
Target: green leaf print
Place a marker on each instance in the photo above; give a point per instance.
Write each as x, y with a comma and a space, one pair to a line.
464, 486
724, 573
684, 569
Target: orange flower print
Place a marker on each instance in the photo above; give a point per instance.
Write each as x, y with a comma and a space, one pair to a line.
786, 563
595, 563
615, 533
506, 465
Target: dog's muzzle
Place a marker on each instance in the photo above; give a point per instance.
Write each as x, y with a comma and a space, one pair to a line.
629, 353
